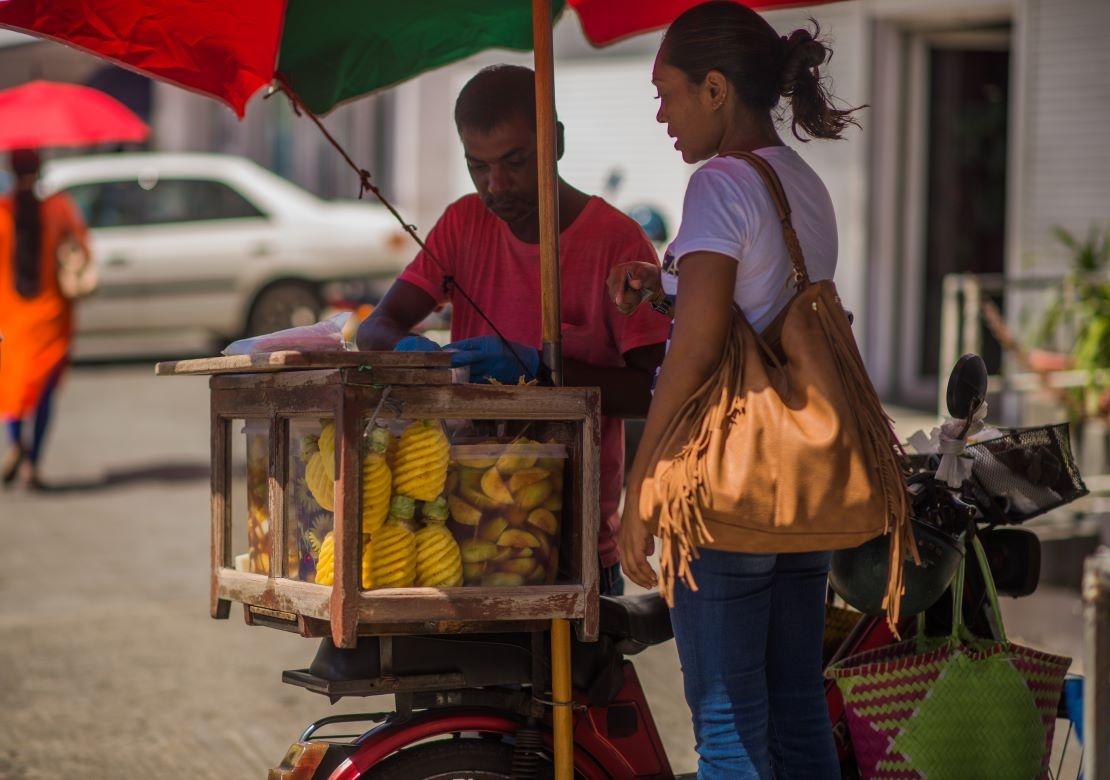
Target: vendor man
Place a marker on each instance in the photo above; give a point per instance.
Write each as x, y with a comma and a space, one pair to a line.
488, 244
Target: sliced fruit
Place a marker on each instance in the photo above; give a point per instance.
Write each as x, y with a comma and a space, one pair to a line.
512, 462
473, 572
438, 559
521, 566
420, 465
519, 552
526, 477
389, 558
326, 443
502, 579
545, 545
554, 503
515, 537
494, 487
479, 499
492, 528
376, 486
476, 550
544, 520
319, 484
462, 512
504, 553
452, 482
532, 496
516, 516
538, 576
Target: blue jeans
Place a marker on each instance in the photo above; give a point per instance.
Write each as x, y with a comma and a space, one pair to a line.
612, 582
41, 420
750, 644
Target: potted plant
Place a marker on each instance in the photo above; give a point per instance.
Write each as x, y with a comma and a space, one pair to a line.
1080, 313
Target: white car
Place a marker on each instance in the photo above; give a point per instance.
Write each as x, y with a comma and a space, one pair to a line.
217, 245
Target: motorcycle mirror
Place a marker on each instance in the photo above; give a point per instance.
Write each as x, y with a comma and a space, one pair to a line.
967, 386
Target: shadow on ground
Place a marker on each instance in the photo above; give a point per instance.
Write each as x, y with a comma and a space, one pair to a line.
159, 473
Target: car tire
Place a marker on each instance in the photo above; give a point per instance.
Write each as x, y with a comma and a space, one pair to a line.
284, 305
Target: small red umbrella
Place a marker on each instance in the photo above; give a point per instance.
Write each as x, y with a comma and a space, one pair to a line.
46, 113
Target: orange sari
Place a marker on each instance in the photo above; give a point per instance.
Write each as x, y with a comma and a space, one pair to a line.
37, 331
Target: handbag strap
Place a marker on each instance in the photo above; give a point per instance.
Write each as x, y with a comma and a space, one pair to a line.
958, 627
782, 205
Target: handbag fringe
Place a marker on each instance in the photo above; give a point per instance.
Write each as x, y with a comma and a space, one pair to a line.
877, 430
682, 483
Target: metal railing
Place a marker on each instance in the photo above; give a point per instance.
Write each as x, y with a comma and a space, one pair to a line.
1096, 696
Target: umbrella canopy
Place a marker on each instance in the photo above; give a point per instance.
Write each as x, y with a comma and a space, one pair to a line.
44, 113
327, 52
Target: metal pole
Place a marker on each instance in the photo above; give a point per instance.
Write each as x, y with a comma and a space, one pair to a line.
546, 141
1096, 696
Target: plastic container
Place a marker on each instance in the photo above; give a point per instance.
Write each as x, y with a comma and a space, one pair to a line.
505, 500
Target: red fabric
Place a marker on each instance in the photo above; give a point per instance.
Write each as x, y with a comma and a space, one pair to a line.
606, 21
227, 50
45, 113
502, 275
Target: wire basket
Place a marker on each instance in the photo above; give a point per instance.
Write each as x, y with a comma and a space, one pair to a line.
1024, 473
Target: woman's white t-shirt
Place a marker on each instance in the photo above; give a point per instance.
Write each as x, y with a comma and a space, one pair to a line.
728, 210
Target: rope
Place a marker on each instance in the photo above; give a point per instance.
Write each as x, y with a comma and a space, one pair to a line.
366, 184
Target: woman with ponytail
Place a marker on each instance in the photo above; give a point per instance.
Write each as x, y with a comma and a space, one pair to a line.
749, 632
36, 319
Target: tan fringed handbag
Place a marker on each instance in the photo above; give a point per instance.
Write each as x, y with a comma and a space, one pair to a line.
786, 447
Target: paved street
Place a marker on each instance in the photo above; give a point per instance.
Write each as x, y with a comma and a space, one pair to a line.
109, 664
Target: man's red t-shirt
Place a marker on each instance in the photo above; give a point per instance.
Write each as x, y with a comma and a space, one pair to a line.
501, 274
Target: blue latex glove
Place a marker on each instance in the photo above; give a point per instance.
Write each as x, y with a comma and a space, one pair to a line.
489, 358
416, 344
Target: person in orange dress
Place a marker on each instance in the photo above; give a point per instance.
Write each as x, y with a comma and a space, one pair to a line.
36, 319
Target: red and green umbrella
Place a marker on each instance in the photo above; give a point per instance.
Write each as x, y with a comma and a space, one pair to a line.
327, 51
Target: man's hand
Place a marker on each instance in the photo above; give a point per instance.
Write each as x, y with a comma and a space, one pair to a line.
490, 358
636, 543
392, 320
628, 283
416, 344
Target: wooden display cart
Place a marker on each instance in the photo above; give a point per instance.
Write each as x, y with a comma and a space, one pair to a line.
276, 390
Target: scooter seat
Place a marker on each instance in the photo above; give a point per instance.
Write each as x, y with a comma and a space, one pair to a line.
643, 619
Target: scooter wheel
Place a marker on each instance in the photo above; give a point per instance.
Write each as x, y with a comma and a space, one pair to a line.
455, 759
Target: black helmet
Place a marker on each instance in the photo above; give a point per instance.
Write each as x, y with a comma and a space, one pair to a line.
859, 575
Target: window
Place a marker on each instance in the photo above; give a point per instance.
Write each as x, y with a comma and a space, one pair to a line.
110, 204
127, 203
195, 200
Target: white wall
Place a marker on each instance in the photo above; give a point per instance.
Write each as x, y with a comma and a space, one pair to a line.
1065, 131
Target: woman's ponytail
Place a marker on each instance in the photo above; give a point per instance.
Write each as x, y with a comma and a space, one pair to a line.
27, 217
811, 105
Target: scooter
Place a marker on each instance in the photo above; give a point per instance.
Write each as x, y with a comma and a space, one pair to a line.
477, 706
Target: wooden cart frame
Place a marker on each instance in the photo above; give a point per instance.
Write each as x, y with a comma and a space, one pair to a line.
350, 395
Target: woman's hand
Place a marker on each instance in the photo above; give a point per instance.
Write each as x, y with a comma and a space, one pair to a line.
636, 543
627, 283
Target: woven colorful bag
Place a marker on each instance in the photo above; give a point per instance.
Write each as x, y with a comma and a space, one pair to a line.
955, 707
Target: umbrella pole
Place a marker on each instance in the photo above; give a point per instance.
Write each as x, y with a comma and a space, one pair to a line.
550, 300
548, 189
